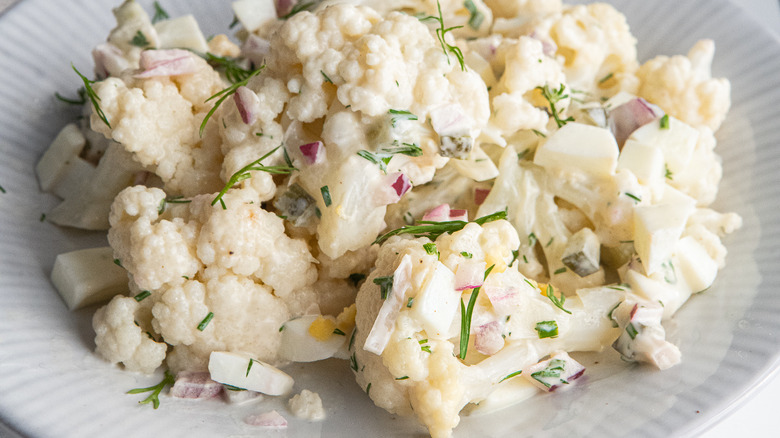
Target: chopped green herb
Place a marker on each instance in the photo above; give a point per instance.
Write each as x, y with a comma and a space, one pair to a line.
356, 277
440, 34
141, 296
234, 72
509, 376
529, 283
515, 254
80, 101
525, 259
383, 156
352, 338
327, 79
532, 240
668, 173
2, 190
92, 96
249, 367
171, 200
549, 242
467, 255
664, 122
159, 13
402, 378
281, 329
606, 78
539, 133
611, 315
558, 302
430, 248
432, 229
233, 388
553, 369
637, 199
118, 263
400, 115
338, 331
326, 195
523, 154
554, 96
244, 174
43, 217
206, 321
224, 94
476, 17
631, 330
368, 388
409, 302
559, 271
139, 40
298, 8
385, 285
547, 329
168, 379
353, 362
233, 23
670, 274
465, 317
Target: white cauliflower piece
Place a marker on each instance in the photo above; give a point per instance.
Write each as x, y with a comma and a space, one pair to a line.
157, 120
523, 8
598, 49
684, 87
120, 339
307, 405
234, 268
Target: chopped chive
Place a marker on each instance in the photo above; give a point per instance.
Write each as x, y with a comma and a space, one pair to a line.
206, 321
385, 285
558, 302
338, 331
159, 13
637, 199
139, 40
327, 79
664, 122
606, 78
141, 296
509, 376
326, 195
559, 271
547, 329
409, 302
402, 378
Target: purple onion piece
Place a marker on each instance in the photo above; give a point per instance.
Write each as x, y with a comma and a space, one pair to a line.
313, 153
195, 385
172, 62
623, 120
243, 98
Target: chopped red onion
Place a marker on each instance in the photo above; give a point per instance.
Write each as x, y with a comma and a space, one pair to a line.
195, 385
401, 183
109, 60
459, 215
488, 339
271, 420
628, 117
256, 49
244, 97
548, 47
438, 214
313, 153
171, 62
470, 274
480, 195
284, 7
506, 300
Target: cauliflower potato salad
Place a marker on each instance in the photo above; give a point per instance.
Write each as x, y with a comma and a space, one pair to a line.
452, 197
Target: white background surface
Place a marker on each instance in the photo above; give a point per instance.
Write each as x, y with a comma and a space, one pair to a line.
757, 413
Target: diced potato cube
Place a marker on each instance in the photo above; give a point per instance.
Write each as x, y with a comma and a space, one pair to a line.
61, 157
677, 142
242, 371
254, 13
181, 33
657, 228
88, 276
695, 265
576, 146
645, 162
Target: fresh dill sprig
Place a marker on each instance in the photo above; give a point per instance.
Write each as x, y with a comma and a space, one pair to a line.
81, 100
92, 95
465, 317
440, 34
233, 71
558, 302
154, 398
432, 229
224, 94
554, 96
243, 174
475, 16
298, 8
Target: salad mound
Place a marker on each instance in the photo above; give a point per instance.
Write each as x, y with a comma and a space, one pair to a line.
453, 197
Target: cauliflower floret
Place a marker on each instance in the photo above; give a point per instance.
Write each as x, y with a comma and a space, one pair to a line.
515, 101
523, 8
157, 120
598, 50
684, 86
119, 338
222, 279
307, 405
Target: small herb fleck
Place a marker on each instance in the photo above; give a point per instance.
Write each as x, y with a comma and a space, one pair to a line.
139, 40
475, 16
356, 277
509, 376
385, 285
430, 248
465, 254
142, 295
636, 199
159, 13
325, 77
664, 122
326, 195
606, 78
554, 96
559, 271
153, 398
206, 321
547, 329
409, 302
